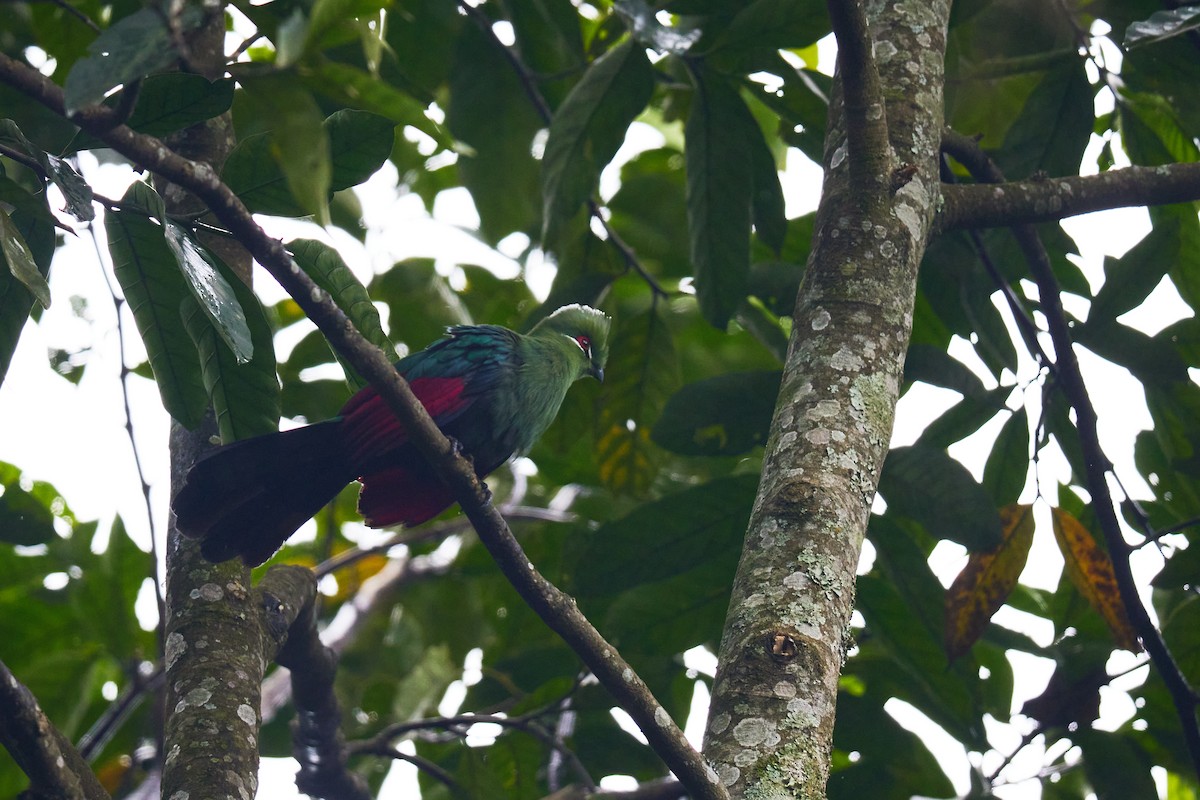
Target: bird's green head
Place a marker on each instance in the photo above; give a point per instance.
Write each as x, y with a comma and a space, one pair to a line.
587, 330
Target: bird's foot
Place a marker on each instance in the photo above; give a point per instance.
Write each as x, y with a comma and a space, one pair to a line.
487, 493
456, 447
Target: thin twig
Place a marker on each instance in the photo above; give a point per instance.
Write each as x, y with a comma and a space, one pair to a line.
423, 764
65, 6
526, 723
108, 723
126, 372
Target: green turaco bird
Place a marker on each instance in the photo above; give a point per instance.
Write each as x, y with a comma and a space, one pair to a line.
492, 390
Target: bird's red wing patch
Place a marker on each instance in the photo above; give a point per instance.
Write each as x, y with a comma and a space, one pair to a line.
372, 427
399, 495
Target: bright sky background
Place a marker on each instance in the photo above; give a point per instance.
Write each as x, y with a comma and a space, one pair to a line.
74, 436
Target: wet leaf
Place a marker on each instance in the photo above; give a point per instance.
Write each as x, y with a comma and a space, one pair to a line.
1163, 25
214, 293
20, 260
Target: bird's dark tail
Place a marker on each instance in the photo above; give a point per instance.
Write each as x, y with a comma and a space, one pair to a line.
247, 498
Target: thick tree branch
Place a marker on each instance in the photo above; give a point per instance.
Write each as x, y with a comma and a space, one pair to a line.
866, 123
54, 766
986, 205
555, 608
288, 596
1097, 464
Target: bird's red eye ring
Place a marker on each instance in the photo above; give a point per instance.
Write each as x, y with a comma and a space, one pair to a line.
585, 344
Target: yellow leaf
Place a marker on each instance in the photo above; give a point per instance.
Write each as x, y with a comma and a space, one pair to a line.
987, 580
1090, 569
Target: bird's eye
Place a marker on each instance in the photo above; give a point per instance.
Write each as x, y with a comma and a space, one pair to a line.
585, 344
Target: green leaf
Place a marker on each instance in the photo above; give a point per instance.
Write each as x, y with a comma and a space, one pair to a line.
359, 143
31, 217
893, 764
1007, 466
245, 394
1130, 279
212, 290
24, 519
490, 112
650, 213
326, 267
1116, 767
132, 48
935, 366
928, 486
1054, 126
767, 203
1150, 359
641, 374
1162, 25
719, 195
299, 141
690, 528
726, 415
360, 89
965, 418
673, 615
167, 103
20, 260
550, 41
151, 281
588, 128
772, 25
111, 581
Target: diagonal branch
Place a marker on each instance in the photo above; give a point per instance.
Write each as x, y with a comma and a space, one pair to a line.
1097, 464
555, 608
54, 767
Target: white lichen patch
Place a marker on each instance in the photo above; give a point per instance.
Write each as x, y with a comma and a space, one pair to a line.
718, 723
845, 360
246, 714
752, 731
209, 592
784, 689
180, 795
175, 647
820, 320
729, 774
662, 718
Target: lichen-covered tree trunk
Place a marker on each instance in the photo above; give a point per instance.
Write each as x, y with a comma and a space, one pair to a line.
213, 648
770, 726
